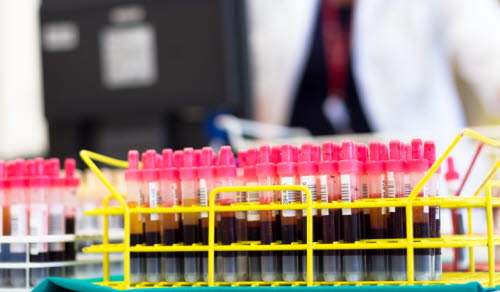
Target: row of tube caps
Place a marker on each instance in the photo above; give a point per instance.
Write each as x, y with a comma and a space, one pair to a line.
333, 172
36, 200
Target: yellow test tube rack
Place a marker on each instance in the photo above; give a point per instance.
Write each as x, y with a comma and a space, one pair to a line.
470, 241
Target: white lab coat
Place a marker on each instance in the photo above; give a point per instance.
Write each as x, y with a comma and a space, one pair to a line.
402, 52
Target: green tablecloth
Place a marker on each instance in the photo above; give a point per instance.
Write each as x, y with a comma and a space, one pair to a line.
64, 285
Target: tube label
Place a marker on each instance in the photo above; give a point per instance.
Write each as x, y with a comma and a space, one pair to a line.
345, 187
18, 226
203, 197
154, 199
253, 197
310, 182
366, 211
288, 197
56, 225
323, 182
383, 194
39, 226
426, 194
391, 189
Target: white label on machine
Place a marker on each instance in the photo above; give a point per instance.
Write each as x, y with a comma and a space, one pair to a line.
323, 182
39, 220
288, 197
60, 36
310, 182
253, 197
56, 225
154, 199
128, 56
345, 187
18, 226
391, 189
203, 197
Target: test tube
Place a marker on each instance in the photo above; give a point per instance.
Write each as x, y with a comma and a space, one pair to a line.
135, 199
266, 174
434, 211
56, 213
330, 192
254, 263
71, 183
226, 173
350, 181
362, 155
19, 201
38, 219
307, 170
395, 168
151, 190
190, 221
287, 173
4, 225
206, 174
453, 184
169, 175
241, 219
374, 168
417, 167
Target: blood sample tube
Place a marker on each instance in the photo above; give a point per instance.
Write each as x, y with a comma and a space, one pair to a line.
135, 199
397, 220
453, 184
374, 168
362, 156
249, 171
226, 173
276, 158
38, 220
329, 178
4, 225
241, 219
266, 174
52, 169
206, 175
71, 196
350, 180
287, 173
434, 211
151, 190
417, 167
19, 202
169, 175
307, 170
191, 230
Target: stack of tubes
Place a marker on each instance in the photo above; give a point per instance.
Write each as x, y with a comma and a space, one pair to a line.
36, 200
333, 172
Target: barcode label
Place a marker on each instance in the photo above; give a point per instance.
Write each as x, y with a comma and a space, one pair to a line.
391, 189
345, 187
154, 199
39, 226
175, 194
310, 182
366, 211
407, 190
253, 197
203, 197
288, 197
323, 182
56, 225
18, 226
383, 185
438, 211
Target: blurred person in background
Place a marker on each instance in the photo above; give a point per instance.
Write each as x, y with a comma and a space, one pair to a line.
339, 66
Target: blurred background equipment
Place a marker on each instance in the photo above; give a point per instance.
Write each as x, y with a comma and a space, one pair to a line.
125, 74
